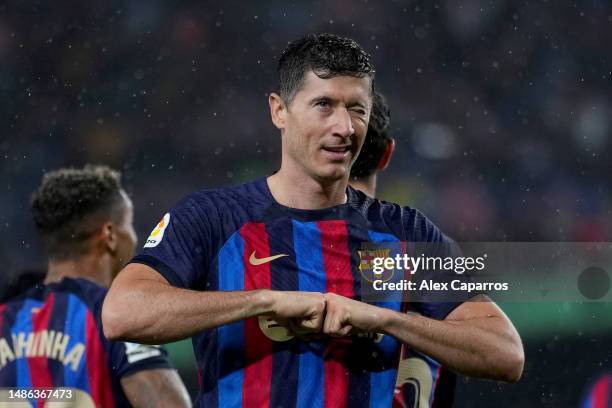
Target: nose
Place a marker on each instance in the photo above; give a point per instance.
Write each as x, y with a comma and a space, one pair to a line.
343, 125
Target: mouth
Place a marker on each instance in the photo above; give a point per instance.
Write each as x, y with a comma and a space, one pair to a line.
337, 152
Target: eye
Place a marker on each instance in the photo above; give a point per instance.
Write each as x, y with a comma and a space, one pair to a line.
323, 104
360, 113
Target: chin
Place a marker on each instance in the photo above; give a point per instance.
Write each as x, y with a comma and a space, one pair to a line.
332, 172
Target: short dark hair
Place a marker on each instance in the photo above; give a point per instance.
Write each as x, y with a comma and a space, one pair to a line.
71, 204
327, 55
376, 140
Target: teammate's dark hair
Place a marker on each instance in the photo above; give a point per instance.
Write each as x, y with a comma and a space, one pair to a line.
71, 204
20, 283
376, 139
327, 55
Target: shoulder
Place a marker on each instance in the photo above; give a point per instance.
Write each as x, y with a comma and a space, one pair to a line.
83, 291
408, 223
89, 293
189, 234
12, 306
247, 197
419, 228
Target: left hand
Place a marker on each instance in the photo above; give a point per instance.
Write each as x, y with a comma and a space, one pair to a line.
346, 316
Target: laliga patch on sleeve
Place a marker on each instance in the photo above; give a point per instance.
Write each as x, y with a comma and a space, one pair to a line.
137, 352
158, 232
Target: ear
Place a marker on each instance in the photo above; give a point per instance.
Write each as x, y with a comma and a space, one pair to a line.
278, 110
386, 157
108, 236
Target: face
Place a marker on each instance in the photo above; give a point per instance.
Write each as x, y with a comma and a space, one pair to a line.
324, 126
126, 236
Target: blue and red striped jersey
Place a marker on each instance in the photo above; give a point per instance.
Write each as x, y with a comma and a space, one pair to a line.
240, 238
51, 336
599, 394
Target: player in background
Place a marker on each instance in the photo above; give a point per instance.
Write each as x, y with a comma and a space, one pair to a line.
51, 335
223, 262
378, 147
599, 394
421, 381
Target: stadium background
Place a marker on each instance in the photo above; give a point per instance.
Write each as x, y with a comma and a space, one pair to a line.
502, 112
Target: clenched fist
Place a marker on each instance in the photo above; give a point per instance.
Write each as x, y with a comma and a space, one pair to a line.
301, 312
344, 316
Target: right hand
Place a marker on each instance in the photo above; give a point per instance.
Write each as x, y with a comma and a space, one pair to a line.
301, 312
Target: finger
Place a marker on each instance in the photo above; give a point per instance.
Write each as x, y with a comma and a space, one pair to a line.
332, 324
344, 331
318, 317
314, 321
299, 326
328, 321
317, 320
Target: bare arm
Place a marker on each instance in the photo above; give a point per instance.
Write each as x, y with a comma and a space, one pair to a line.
156, 388
476, 339
141, 306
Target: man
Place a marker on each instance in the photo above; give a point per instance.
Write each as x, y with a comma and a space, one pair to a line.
50, 336
234, 267
599, 394
421, 381
377, 149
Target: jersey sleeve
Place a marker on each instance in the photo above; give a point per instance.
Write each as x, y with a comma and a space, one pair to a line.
123, 358
178, 247
130, 358
432, 242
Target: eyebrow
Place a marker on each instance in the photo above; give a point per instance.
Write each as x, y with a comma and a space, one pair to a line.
319, 98
358, 104
329, 98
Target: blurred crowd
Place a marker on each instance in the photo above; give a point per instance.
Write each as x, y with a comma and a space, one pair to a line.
502, 110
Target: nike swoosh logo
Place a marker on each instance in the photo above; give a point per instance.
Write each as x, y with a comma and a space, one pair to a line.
260, 261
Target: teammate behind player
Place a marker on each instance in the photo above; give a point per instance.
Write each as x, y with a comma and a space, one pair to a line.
378, 147
421, 380
225, 262
599, 394
51, 336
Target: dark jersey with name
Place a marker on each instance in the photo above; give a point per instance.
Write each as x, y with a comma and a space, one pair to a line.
51, 336
240, 238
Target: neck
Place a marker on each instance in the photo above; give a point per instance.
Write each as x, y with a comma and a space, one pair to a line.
366, 185
95, 268
293, 188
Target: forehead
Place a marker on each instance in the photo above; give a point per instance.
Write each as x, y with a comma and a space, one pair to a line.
341, 87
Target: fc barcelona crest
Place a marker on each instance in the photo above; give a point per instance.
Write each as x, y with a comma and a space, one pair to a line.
366, 265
